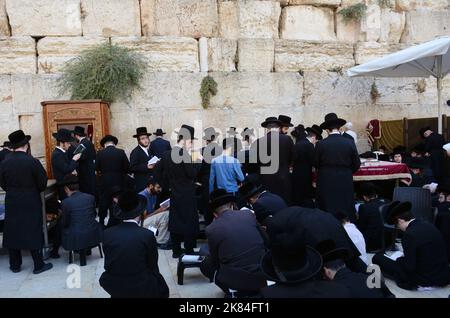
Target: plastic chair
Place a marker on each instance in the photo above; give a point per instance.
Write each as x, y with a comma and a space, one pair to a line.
420, 200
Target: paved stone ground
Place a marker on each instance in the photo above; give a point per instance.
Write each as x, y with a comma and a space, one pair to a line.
53, 283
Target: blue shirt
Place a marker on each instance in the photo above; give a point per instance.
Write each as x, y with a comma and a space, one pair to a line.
151, 200
225, 173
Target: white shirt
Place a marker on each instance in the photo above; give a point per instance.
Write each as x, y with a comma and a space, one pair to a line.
61, 149
145, 150
131, 221
353, 134
357, 239
334, 133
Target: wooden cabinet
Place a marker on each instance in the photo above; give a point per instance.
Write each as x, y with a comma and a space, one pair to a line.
93, 115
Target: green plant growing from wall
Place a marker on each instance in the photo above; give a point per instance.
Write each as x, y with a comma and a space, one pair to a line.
384, 3
374, 93
208, 88
106, 71
353, 13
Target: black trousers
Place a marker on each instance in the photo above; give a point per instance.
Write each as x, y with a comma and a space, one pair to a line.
104, 205
15, 259
190, 242
391, 269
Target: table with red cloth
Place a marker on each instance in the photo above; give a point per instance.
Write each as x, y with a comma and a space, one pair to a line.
373, 170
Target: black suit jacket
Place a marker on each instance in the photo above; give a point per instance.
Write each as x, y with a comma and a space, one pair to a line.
159, 146
113, 165
357, 284
371, 224
86, 168
139, 167
268, 204
3, 154
131, 263
62, 165
425, 261
302, 171
433, 145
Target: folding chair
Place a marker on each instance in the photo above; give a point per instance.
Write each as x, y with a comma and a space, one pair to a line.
420, 200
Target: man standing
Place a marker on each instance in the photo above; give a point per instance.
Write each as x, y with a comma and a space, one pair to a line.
112, 165
274, 156
5, 150
23, 178
139, 158
336, 159
180, 172
232, 133
62, 164
285, 124
302, 180
86, 165
433, 146
159, 145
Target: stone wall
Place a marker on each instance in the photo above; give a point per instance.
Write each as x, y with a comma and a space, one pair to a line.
268, 58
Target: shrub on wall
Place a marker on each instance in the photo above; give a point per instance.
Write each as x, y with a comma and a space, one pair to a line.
208, 88
353, 13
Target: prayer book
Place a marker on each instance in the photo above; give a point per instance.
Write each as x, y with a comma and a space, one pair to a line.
191, 259
393, 256
153, 160
165, 204
79, 149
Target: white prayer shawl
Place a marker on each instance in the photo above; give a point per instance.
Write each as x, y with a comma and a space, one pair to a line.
357, 239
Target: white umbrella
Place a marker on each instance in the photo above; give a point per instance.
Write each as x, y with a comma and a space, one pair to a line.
424, 60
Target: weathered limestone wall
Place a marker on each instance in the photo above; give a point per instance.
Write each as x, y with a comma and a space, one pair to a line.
268, 58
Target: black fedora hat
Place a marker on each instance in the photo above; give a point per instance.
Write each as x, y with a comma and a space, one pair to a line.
247, 132
6, 144
64, 135
330, 252
316, 130
270, 120
416, 163
210, 133
18, 139
232, 131
109, 138
187, 132
68, 180
249, 189
78, 130
141, 131
299, 132
396, 208
285, 121
220, 197
159, 132
131, 205
332, 120
423, 130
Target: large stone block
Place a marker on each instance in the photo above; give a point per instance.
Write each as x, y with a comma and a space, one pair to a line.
5, 95
54, 52
44, 17
256, 55
4, 24
371, 23
17, 55
192, 18
111, 17
334, 3
424, 25
164, 53
408, 5
368, 51
295, 56
392, 25
348, 31
249, 19
222, 55
307, 23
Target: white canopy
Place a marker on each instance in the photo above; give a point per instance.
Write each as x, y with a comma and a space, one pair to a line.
424, 60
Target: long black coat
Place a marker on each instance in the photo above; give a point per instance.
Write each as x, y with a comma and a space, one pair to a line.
425, 262
159, 146
308, 289
80, 230
433, 145
278, 182
371, 224
268, 204
336, 159
3, 154
113, 165
180, 177
23, 178
302, 172
139, 167
443, 224
131, 263
62, 165
357, 284
212, 150
86, 168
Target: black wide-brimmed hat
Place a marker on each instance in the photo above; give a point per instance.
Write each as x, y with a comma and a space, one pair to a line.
109, 138
247, 132
444, 187
332, 120
64, 135
220, 197
141, 131
299, 132
187, 132
396, 208
78, 130
423, 130
210, 133
18, 139
232, 131
68, 180
249, 189
159, 132
285, 121
131, 205
330, 252
316, 130
6, 144
416, 163
270, 120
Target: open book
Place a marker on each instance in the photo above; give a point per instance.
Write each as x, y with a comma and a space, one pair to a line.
192, 259
153, 160
394, 255
165, 204
79, 149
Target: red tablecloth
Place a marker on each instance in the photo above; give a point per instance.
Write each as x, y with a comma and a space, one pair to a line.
381, 170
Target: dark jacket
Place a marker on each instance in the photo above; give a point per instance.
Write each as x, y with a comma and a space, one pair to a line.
371, 224
336, 159
267, 204
357, 284
131, 263
302, 172
112, 164
86, 168
62, 165
279, 180
425, 259
3, 154
443, 224
80, 230
308, 289
433, 145
139, 167
235, 242
159, 146
23, 178
180, 177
